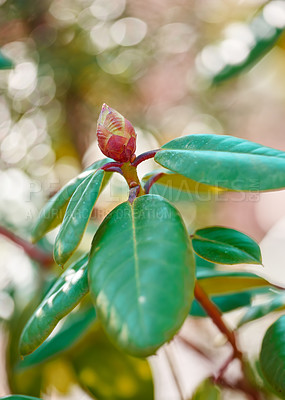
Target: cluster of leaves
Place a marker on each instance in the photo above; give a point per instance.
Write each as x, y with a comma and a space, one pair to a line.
145, 241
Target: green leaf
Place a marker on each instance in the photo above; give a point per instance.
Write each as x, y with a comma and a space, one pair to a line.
225, 303
77, 215
272, 356
66, 293
75, 325
19, 397
226, 246
264, 36
207, 391
225, 161
263, 309
141, 274
108, 373
53, 212
5, 63
216, 282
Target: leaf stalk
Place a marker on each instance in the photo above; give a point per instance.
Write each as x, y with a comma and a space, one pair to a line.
144, 156
151, 181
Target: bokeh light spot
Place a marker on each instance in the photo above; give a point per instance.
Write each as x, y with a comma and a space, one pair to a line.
128, 31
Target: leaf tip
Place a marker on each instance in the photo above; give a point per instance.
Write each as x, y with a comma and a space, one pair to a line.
23, 349
59, 256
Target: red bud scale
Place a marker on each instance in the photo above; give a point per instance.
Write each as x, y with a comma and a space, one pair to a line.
116, 135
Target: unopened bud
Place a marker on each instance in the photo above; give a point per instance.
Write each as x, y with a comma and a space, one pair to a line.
116, 135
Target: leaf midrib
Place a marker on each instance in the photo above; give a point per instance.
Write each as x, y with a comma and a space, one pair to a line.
136, 265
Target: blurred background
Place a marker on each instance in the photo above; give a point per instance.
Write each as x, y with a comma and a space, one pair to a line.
172, 67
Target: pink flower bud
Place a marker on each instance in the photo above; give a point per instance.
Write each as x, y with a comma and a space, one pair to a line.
116, 135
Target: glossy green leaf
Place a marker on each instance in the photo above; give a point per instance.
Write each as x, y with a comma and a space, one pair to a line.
272, 356
221, 282
207, 391
76, 217
225, 161
66, 293
263, 309
225, 303
19, 397
53, 212
264, 32
141, 274
5, 63
225, 246
108, 373
73, 328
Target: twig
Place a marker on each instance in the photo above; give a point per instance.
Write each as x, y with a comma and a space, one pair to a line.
216, 317
174, 374
224, 367
30, 249
193, 346
241, 386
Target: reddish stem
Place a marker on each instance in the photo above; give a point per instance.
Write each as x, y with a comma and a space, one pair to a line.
224, 368
111, 164
134, 192
174, 374
152, 181
144, 156
113, 167
193, 347
31, 250
216, 317
241, 386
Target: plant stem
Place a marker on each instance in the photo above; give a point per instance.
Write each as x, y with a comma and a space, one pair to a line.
216, 317
30, 249
174, 374
131, 176
144, 156
193, 347
134, 192
151, 181
224, 368
241, 386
